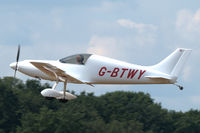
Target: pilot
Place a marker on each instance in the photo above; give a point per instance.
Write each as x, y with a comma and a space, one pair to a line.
80, 59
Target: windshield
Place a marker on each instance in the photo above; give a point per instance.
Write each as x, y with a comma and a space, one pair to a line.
76, 59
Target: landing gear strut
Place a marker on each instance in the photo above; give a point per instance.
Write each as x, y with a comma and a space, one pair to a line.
55, 85
64, 89
63, 100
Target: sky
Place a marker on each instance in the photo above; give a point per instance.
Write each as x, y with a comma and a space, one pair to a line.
137, 31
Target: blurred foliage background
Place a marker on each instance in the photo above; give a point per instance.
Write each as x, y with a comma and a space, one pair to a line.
24, 110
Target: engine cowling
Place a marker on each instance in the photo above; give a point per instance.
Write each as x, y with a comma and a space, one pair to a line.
57, 94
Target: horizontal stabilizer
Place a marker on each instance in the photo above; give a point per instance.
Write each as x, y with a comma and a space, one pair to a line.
161, 77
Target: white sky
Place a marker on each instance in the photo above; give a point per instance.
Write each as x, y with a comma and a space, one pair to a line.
136, 31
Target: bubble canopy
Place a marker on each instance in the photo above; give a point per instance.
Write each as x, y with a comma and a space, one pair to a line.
79, 59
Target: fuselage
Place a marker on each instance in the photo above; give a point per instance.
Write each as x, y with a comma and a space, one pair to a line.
97, 70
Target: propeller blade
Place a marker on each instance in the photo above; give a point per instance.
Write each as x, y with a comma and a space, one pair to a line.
15, 73
17, 59
18, 53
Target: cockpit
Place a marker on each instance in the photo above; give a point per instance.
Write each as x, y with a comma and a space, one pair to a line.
80, 59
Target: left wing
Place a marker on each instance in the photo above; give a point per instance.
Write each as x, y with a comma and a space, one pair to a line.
57, 73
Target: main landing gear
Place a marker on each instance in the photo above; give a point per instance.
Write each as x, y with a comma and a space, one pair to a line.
49, 98
63, 99
52, 93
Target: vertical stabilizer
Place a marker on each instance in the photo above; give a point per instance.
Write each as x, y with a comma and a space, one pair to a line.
174, 63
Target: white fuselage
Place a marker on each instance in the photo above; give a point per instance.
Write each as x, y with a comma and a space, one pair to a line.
99, 70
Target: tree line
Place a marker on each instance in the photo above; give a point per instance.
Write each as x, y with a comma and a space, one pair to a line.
24, 110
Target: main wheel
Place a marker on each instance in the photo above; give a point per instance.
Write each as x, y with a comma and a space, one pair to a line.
49, 98
63, 100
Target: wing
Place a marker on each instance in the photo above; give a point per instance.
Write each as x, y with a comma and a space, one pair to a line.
57, 73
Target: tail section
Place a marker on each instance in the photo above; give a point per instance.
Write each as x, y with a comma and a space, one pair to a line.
174, 63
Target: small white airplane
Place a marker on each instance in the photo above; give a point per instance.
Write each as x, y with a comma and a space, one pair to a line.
92, 69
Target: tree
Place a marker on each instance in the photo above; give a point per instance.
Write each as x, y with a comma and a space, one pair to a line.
24, 110
8, 107
188, 122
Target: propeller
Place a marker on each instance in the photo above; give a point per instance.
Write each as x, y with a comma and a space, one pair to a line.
17, 60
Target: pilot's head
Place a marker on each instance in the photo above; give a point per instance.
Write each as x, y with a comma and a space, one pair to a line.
79, 59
